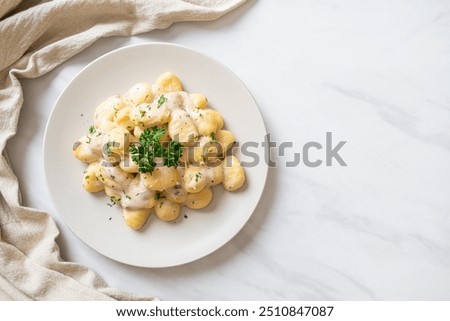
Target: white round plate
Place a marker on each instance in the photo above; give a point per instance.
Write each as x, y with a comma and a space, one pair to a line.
158, 244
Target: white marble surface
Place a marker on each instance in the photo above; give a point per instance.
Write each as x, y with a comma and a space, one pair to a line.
374, 73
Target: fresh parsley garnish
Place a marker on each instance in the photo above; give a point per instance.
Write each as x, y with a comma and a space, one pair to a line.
91, 129
172, 153
150, 147
197, 176
162, 99
213, 137
109, 145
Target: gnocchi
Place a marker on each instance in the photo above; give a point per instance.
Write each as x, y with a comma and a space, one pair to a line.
156, 149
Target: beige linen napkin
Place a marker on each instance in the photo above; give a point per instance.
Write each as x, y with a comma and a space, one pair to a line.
35, 37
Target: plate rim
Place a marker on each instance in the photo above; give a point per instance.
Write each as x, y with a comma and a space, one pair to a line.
89, 65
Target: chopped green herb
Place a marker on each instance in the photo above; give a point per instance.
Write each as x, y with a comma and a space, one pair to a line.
198, 176
109, 145
114, 200
143, 112
150, 147
91, 129
162, 99
128, 197
172, 153
158, 196
213, 137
